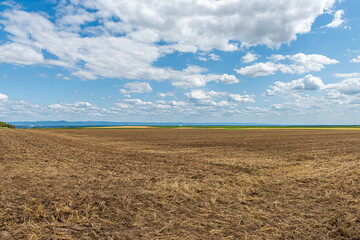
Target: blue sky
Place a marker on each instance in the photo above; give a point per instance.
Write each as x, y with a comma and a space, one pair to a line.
276, 62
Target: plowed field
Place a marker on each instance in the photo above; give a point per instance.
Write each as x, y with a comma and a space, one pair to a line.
179, 184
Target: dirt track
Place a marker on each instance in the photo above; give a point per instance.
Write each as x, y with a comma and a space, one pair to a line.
179, 184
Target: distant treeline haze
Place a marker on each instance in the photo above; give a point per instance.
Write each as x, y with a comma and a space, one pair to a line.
2, 124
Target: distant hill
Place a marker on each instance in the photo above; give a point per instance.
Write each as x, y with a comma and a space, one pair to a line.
59, 124
6, 125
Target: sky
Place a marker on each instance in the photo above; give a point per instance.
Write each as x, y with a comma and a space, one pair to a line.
205, 61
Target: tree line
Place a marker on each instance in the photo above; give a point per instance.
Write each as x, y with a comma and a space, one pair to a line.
2, 124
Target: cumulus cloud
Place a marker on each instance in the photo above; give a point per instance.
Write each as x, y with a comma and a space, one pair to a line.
241, 98
225, 78
303, 63
355, 60
163, 95
3, 97
84, 110
77, 110
249, 57
338, 19
349, 86
305, 106
136, 101
196, 102
214, 57
308, 83
197, 95
136, 87
211, 56
124, 41
140, 107
300, 63
122, 105
213, 24
202, 98
259, 69
344, 93
73, 107
193, 78
90, 57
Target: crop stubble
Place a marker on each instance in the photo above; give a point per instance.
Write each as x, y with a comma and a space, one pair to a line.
179, 184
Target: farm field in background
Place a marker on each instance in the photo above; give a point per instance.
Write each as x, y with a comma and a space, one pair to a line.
165, 183
321, 127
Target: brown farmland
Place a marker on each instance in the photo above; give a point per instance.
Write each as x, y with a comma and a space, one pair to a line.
179, 184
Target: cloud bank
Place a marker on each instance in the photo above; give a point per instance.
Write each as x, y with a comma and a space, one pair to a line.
124, 39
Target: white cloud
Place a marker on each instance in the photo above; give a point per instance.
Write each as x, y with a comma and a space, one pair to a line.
308, 83
190, 81
123, 91
348, 75
225, 78
202, 58
249, 57
137, 102
241, 98
72, 18
303, 63
197, 95
73, 107
139, 107
3, 97
258, 69
137, 87
300, 63
196, 102
216, 94
59, 111
303, 106
122, 105
355, 60
158, 108
128, 49
97, 56
21, 108
20, 54
334, 95
255, 110
194, 76
214, 57
202, 98
105, 56
209, 24
163, 95
349, 86
338, 19
176, 103
211, 56
344, 93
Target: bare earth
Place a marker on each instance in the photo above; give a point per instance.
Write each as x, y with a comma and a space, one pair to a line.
179, 184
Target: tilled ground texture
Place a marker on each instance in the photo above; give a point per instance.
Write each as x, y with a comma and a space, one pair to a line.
179, 184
